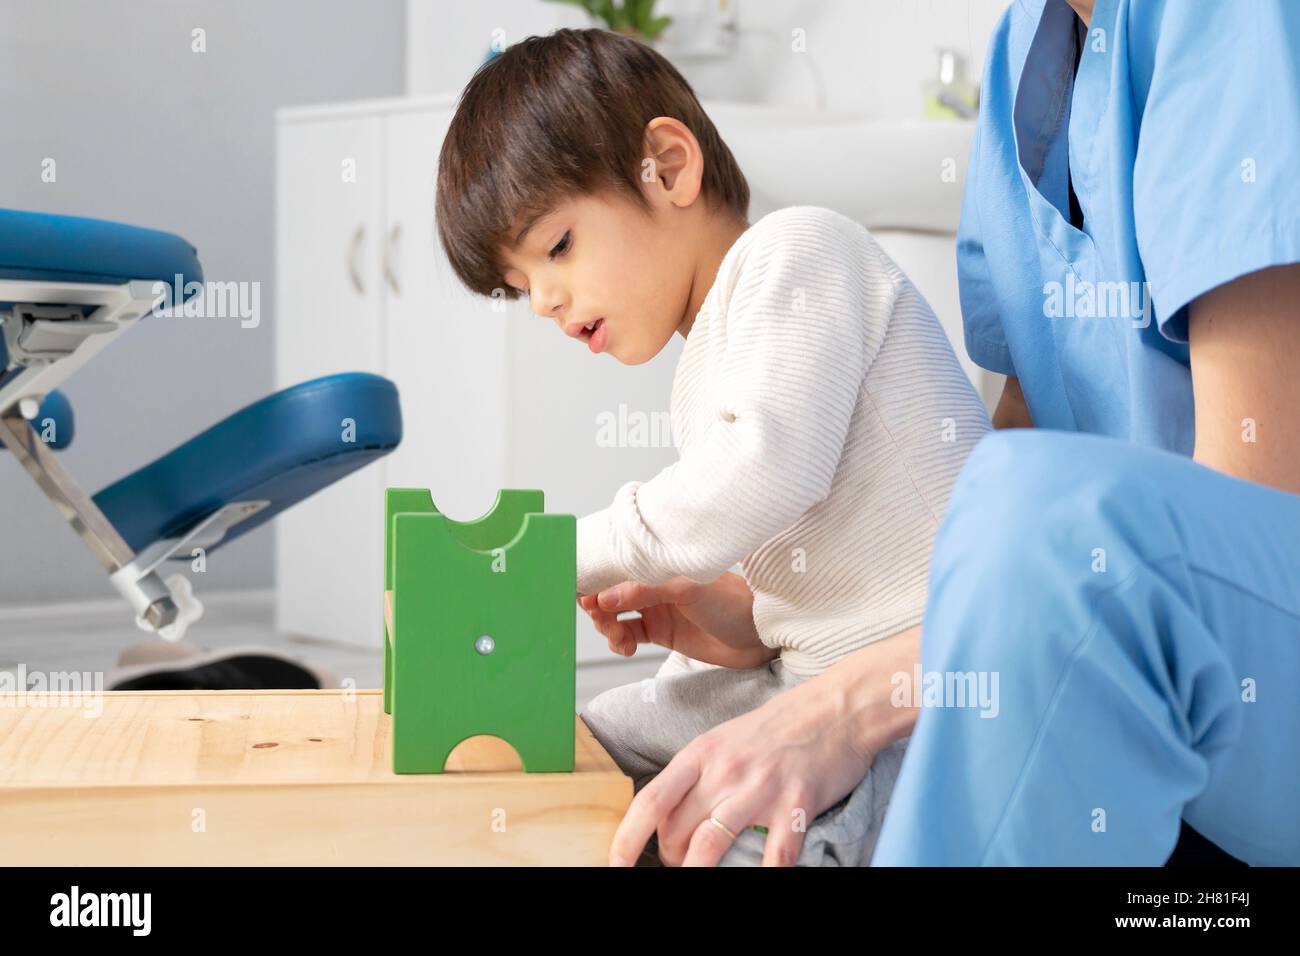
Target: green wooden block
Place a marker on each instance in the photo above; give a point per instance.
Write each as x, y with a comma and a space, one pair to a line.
482, 638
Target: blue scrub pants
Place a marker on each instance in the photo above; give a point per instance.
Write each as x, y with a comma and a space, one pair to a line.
1142, 616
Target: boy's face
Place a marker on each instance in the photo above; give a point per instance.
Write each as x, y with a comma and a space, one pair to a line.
602, 259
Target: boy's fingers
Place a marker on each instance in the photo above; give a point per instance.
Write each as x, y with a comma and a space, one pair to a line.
620, 641
633, 596
615, 634
623, 636
617, 597
634, 630
604, 621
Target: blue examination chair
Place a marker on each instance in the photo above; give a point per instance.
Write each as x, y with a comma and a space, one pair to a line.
68, 288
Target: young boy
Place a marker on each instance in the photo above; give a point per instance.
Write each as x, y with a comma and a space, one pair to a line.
820, 414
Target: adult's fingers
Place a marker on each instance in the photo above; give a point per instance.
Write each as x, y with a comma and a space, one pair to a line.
723, 794
709, 843
654, 803
785, 836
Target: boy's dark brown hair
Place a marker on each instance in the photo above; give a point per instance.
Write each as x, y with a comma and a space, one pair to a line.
556, 117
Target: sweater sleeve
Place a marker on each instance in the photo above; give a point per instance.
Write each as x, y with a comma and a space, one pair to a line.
803, 294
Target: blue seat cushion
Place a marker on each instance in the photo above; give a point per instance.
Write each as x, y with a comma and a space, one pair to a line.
44, 247
283, 448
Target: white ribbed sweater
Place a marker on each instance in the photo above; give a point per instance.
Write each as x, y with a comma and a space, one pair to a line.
821, 418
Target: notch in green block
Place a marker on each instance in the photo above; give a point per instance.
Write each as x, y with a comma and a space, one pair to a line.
481, 637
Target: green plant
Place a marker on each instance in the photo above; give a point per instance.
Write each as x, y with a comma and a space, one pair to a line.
629, 16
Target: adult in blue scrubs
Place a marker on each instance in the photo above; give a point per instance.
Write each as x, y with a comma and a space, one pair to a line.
1119, 566
1129, 567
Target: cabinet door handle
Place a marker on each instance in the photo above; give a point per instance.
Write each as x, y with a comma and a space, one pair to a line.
394, 237
354, 253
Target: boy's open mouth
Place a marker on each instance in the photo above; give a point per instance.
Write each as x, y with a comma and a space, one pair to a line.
595, 337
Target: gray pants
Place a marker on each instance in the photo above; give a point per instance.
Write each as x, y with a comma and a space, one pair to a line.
644, 725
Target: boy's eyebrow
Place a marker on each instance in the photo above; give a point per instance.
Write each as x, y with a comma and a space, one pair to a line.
528, 224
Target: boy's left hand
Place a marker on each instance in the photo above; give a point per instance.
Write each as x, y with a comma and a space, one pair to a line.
706, 622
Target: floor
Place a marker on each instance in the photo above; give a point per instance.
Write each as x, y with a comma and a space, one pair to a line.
89, 637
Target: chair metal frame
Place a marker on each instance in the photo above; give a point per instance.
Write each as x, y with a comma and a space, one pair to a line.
49, 335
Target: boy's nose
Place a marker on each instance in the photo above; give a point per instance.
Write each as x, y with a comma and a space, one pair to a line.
554, 313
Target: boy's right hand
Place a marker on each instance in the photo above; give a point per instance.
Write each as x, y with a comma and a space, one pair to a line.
711, 622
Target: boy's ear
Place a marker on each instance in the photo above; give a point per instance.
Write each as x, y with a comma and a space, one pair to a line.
672, 168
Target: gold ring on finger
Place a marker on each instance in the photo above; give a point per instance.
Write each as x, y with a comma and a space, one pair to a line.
723, 827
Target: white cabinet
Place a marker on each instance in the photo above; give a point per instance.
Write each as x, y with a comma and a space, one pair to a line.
446, 349
328, 318
491, 397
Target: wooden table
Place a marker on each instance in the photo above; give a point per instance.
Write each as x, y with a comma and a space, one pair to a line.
280, 778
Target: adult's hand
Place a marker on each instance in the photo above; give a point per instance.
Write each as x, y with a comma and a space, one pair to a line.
711, 622
778, 766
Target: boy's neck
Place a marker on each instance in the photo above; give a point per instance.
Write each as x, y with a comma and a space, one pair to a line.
714, 250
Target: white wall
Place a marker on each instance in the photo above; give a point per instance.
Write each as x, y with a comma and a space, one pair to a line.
866, 56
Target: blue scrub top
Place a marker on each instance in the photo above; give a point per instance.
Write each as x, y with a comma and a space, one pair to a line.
1181, 131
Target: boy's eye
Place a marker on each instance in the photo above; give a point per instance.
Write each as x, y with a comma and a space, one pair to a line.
561, 247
